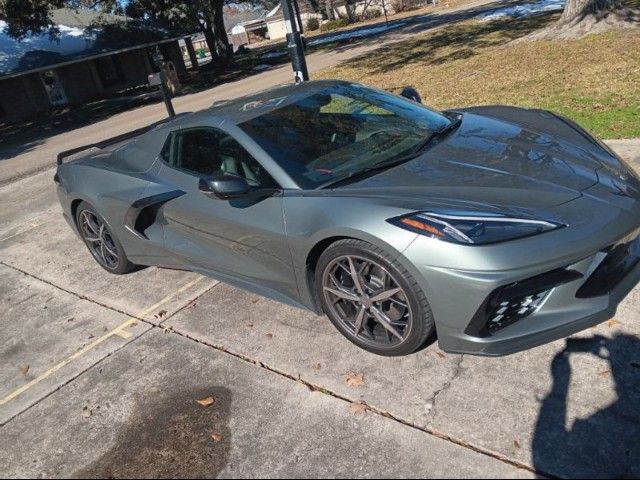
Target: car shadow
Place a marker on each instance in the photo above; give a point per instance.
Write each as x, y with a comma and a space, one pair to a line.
605, 444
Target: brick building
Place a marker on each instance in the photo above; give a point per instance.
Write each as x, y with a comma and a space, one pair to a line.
94, 56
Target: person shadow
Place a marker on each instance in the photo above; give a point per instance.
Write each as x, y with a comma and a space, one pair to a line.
605, 444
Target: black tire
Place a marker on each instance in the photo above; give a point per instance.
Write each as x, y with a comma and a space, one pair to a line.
417, 330
101, 250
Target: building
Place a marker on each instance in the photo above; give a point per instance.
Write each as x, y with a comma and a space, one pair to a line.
276, 26
95, 55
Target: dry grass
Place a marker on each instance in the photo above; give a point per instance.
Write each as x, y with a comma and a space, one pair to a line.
594, 80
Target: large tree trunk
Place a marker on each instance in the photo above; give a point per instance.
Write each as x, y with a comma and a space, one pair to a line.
223, 49
350, 6
578, 9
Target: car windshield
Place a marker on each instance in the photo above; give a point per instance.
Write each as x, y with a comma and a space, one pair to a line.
342, 130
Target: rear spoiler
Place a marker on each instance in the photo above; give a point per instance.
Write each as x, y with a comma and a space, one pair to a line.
104, 143
113, 140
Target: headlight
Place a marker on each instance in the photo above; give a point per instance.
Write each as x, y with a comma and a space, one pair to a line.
473, 229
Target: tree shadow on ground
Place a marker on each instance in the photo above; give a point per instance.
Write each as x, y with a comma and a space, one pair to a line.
446, 45
607, 443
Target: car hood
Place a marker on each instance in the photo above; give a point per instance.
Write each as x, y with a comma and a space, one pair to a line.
529, 159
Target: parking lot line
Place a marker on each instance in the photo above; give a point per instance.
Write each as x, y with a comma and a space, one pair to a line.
120, 331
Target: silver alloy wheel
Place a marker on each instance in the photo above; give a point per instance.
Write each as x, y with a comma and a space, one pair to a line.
98, 238
367, 300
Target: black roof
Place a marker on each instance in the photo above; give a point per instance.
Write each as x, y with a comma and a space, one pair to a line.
83, 34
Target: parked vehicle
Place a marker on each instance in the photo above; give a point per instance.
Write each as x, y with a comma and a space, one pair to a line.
496, 228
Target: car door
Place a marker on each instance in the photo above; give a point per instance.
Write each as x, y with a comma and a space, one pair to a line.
241, 240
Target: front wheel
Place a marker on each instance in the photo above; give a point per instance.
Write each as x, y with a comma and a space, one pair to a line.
372, 300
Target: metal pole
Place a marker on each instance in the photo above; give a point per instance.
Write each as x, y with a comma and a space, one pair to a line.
294, 44
166, 95
296, 7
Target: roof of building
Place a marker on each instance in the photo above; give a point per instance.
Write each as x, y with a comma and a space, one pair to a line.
276, 13
83, 34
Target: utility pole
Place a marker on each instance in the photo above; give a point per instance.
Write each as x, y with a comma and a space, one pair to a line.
294, 43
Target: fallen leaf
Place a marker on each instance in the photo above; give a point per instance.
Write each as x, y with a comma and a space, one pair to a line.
269, 336
516, 444
612, 323
441, 355
216, 437
160, 314
133, 324
354, 379
71, 319
249, 325
167, 329
255, 300
207, 402
604, 373
91, 337
358, 408
317, 367
86, 412
24, 369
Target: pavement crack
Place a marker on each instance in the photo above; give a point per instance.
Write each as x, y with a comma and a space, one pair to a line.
457, 371
372, 408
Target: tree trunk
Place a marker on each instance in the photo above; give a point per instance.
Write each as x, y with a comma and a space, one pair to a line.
578, 9
223, 49
350, 6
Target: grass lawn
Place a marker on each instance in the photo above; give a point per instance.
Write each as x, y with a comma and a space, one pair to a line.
594, 80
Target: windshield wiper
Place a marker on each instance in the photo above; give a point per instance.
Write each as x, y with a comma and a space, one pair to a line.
416, 151
443, 132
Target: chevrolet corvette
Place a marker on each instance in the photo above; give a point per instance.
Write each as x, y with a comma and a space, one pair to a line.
493, 228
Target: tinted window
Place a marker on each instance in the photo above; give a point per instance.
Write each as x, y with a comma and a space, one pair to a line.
206, 151
343, 129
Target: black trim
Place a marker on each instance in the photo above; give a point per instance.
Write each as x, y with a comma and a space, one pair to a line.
113, 140
540, 283
143, 212
620, 260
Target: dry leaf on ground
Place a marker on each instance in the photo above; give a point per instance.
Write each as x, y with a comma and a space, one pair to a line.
358, 408
354, 379
206, 402
216, 437
24, 369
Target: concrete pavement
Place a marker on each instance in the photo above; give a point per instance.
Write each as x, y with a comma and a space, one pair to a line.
100, 374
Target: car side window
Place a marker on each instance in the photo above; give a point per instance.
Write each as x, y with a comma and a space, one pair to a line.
207, 151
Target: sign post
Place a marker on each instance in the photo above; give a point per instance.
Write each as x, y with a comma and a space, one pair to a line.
294, 43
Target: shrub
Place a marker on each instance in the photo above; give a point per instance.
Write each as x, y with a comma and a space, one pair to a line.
313, 24
406, 5
371, 13
334, 24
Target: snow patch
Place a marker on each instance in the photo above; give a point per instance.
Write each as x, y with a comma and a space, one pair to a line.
364, 32
524, 10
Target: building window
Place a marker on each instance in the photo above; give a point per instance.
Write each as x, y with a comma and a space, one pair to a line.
110, 71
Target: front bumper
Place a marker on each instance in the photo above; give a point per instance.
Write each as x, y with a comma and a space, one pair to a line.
457, 297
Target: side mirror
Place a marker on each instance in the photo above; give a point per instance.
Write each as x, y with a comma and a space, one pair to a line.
224, 186
411, 93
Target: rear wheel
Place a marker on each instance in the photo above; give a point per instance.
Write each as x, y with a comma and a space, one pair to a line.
100, 240
372, 300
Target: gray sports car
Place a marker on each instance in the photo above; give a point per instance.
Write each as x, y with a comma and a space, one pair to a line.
496, 228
